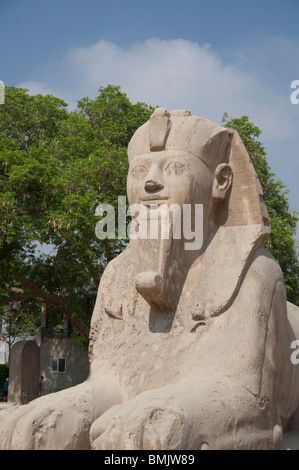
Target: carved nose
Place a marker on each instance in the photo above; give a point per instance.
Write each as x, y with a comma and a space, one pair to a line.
153, 185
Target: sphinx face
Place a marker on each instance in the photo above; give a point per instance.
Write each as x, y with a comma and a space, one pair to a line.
169, 177
158, 181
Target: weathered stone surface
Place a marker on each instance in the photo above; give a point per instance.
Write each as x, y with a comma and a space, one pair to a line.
189, 349
24, 372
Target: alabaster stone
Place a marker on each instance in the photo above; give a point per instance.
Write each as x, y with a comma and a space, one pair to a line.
190, 346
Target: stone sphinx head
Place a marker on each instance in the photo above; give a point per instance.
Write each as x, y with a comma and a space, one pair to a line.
181, 159
177, 158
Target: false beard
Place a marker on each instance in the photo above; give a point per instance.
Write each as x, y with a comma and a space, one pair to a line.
161, 266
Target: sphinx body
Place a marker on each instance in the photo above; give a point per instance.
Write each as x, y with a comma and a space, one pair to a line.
188, 349
218, 383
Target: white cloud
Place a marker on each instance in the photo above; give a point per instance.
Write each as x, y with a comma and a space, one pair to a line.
182, 74
36, 88
173, 74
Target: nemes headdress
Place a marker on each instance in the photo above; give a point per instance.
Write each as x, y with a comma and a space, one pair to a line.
213, 144
180, 130
245, 225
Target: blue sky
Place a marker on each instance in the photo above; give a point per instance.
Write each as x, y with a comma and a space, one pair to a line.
210, 57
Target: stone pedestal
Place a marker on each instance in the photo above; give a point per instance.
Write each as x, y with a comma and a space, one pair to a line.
24, 372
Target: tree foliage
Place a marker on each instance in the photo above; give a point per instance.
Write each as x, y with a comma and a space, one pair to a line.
283, 221
55, 168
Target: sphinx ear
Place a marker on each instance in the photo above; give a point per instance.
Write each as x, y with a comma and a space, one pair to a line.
223, 177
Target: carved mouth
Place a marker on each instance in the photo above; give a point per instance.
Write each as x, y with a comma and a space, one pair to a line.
154, 199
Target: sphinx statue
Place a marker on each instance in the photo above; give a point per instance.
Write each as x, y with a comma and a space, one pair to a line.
190, 343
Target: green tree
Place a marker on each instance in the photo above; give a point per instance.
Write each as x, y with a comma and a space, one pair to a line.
56, 167
19, 321
283, 221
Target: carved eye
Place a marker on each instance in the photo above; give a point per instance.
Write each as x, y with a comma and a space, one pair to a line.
139, 169
175, 166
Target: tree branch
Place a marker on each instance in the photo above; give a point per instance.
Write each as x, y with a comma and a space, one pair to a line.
40, 295
18, 298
